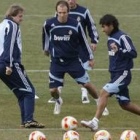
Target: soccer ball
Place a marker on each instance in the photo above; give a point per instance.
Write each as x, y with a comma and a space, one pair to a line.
37, 135
71, 135
69, 123
128, 135
102, 135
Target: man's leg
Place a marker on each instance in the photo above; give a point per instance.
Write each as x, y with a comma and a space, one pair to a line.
133, 108
26, 104
52, 99
102, 103
85, 99
56, 80
19, 83
58, 100
84, 91
92, 91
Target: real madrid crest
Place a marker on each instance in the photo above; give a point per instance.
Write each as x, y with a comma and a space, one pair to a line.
70, 32
78, 18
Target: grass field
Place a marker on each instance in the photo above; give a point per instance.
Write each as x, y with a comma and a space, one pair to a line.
128, 13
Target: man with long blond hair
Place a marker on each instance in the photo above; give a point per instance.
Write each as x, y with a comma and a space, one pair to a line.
12, 72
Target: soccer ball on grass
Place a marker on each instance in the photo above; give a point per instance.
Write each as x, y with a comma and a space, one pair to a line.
69, 123
71, 135
37, 135
128, 135
102, 135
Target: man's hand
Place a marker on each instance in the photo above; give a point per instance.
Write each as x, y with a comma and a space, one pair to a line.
114, 47
93, 46
46, 53
91, 63
8, 71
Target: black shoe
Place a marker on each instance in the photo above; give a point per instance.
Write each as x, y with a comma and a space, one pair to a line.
33, 124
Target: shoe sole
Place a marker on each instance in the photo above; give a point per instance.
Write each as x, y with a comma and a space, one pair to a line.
85, 102
56, 113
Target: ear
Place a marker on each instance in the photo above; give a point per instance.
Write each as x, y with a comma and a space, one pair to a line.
111, 27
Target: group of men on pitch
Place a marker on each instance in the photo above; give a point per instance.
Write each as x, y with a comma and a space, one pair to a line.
64, 39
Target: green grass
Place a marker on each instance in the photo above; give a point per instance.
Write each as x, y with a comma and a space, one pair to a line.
33, 59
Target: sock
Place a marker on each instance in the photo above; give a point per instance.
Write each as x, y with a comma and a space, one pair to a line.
59, 89
95, 119
84, 92
58, 100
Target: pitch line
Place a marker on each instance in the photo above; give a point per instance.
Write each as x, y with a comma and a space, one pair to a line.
50, 15
102, 69
127, 16
79, 129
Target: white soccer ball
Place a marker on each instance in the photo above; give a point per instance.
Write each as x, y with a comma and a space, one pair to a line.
71, 135
69, 123
102, 135
37, 135
128, 135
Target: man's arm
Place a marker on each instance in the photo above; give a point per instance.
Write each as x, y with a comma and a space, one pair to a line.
92, 31
127, 48
45, 39
83, 40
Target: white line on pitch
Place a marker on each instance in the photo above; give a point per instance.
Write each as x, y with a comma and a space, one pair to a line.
80, 129
36, 15
40, 71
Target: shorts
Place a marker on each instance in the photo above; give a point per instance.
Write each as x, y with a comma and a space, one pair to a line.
73, 68
119, 86
86, 65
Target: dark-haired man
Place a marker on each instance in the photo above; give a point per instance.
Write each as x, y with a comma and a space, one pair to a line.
121, 54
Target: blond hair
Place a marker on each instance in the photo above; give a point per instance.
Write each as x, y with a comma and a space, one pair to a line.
14, 10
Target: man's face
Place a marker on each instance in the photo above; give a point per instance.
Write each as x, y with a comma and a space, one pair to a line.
62, 13
18, 18
107, 29
72, 3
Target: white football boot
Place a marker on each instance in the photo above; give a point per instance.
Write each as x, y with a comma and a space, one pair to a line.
58, 104
36, 97
92, 124
51, 100
105, 112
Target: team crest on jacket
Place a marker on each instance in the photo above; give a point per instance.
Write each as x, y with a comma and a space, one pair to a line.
78, 18
52, 25
70, 32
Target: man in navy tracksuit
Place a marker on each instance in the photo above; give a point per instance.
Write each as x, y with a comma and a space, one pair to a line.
12, 72
82, 15
62, 37
121, 53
